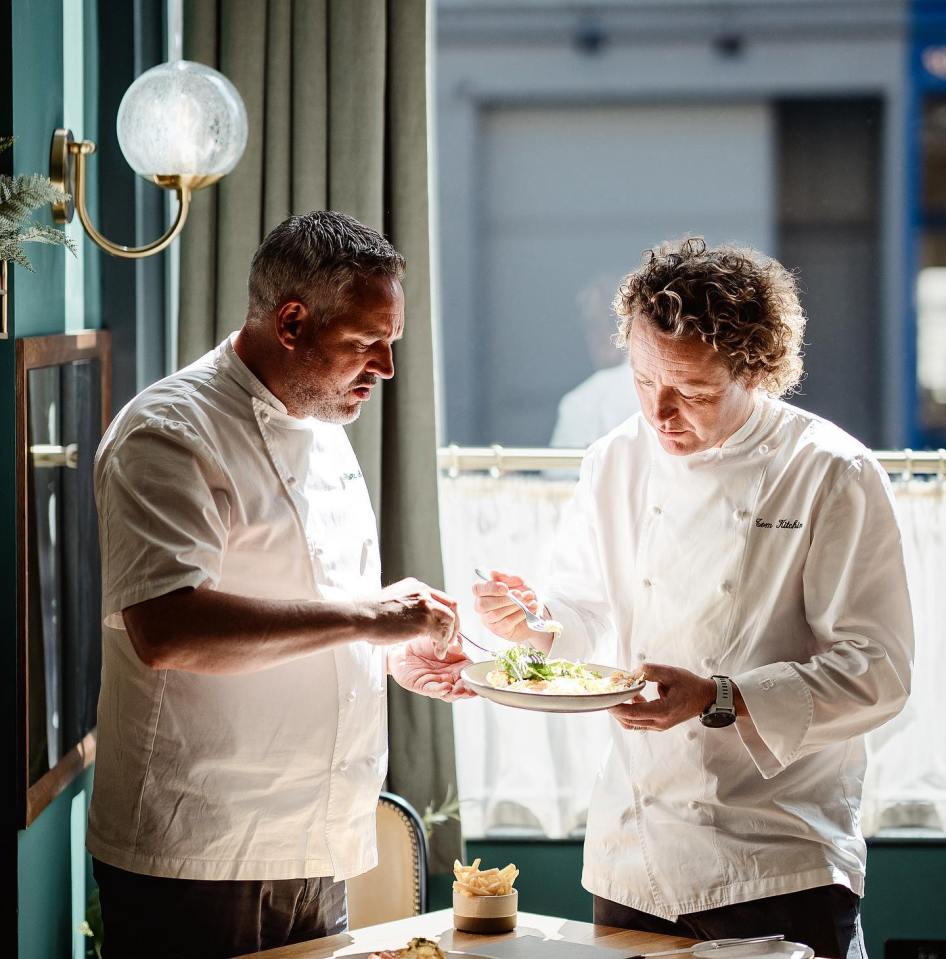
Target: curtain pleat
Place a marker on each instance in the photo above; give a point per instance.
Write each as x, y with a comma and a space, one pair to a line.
336, 97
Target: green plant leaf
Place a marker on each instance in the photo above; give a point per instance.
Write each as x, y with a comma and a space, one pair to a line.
35, 233
13, 252
6, 143
20, 195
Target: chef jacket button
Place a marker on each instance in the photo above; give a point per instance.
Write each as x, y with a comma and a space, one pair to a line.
642, 655
657, 510
693, 804
725, 586
352, 696
691, 734
647, 800
647, 583
264, 416
763, 449
342, 766
738, 515
290, 481
708, 663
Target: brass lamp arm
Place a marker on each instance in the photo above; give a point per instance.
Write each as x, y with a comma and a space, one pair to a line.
68, 172
80, 151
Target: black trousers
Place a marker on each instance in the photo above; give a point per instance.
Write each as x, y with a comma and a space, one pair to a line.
148, 917
826, 918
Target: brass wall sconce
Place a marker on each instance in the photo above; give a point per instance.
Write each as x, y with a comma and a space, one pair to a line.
181, 125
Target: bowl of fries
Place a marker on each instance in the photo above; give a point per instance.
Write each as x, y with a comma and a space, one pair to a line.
484, 899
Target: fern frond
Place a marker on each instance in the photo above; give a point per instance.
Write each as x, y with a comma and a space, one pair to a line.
11, 250
35, 233
20, 195
5, 143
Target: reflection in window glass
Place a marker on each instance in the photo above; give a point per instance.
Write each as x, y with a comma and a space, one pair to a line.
931, 345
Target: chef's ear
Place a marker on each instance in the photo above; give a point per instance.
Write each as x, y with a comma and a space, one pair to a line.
291, 321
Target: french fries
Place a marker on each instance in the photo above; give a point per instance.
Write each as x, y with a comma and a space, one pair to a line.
472, 881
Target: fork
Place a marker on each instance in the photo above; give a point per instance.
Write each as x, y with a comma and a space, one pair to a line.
538, 624
473, 642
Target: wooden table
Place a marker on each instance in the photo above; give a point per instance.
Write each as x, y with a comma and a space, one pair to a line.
439, 926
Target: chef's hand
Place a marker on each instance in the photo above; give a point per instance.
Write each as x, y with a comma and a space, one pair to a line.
499, 614
681, 695
412, 610
417, 668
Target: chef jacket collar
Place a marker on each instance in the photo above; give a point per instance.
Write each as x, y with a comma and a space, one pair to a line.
262, 397
744, 439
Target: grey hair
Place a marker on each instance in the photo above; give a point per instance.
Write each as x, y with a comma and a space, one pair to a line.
315, 258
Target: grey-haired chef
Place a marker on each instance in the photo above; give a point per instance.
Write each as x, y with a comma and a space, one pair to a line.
242, 737
747, 555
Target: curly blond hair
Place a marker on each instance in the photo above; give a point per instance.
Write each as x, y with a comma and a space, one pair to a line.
741, 303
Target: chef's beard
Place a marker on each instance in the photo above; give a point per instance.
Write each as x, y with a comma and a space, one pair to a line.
306, 396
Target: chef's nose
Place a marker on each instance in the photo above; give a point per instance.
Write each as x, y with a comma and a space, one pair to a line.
665, 406
382, 362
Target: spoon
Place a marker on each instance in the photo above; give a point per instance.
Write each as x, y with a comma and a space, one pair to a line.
538, 624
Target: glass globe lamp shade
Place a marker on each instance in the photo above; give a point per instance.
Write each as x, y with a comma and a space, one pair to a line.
182, 119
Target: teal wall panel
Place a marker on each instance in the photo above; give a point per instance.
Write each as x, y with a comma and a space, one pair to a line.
53, 871
46, 859
39, 297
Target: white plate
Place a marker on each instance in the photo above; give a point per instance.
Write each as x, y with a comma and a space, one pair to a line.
778, 949
475, 677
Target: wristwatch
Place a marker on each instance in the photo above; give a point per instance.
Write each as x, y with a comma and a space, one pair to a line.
722, 711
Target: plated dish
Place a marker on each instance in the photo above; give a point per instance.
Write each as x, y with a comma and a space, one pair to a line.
418, 948
526, 679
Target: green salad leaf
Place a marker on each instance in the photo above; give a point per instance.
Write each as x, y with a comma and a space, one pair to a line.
524, 662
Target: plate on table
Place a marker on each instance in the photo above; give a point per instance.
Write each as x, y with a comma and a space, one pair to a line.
778, 949
475, 677
394, 949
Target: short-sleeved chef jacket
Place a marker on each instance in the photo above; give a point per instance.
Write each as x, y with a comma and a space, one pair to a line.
204, 479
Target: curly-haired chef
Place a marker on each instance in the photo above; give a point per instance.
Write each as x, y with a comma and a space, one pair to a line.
747, 554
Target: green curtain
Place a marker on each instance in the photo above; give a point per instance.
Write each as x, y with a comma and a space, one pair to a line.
336, 94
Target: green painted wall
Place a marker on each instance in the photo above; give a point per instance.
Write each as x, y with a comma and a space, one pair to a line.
53, 872
39, 298
51, 899
905, 884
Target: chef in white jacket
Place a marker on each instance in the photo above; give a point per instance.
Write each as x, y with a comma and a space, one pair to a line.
242, 723
746, 554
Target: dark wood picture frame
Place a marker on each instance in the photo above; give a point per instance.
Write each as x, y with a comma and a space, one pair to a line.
34, 353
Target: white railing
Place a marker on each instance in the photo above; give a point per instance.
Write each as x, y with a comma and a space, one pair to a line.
532, 772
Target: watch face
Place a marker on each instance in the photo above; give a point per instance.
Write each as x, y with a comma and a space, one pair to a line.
718, 718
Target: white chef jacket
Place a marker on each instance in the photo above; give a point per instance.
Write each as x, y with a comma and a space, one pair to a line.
275, 774
775, 559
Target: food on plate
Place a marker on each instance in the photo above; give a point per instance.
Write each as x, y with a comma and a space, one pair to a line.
472, 881
527, 670
416, 949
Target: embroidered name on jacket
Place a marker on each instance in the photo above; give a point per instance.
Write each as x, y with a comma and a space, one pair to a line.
781, 524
